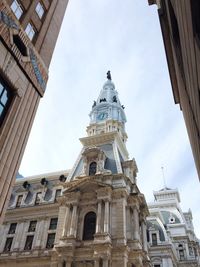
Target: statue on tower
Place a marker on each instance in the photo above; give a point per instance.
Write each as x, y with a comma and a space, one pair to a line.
109, 75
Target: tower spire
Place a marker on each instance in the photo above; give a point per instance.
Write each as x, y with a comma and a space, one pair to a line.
107, 114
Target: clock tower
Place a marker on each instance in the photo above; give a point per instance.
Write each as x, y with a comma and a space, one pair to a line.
107, 113
102, 213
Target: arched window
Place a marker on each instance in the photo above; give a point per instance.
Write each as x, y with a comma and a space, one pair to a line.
89, 226
92, 168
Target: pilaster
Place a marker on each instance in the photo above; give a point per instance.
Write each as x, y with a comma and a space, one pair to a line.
73, 220
144, 235
99, 211
106, 216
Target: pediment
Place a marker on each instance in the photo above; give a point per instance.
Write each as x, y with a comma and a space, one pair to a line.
84, 185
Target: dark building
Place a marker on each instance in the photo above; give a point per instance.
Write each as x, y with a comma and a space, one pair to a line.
28, 34
180, 25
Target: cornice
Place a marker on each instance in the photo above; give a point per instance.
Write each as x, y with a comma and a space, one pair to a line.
98, 139
31, 210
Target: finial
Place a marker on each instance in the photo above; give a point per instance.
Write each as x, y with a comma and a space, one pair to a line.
162, 168
109, 75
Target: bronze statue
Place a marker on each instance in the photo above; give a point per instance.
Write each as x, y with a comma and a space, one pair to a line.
109, 75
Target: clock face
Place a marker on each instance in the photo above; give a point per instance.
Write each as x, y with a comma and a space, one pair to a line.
102, 116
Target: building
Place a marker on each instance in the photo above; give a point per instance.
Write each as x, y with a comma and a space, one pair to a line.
91, 215
170, 235
29, 30
180, 26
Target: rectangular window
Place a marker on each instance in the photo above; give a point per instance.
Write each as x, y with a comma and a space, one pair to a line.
37, 199
30, 31
39, 10
12, 228
17, 9
20, 45
50, 240
195, 9
29, 242
53, 224
19, 201
5, 99
8, 244
181, 254
154, 240
32, 226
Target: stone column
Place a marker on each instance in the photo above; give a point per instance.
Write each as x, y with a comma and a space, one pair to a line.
54, 264
68, 264
66, 221
144, 235
98, 223
136, 227
96, 263
105, 263
106, 217
129, 223
73, 220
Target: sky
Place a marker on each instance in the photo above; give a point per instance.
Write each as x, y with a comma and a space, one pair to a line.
125, 38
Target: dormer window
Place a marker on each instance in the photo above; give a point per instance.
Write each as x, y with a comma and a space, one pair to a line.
92, 168
181, 252
37, 199
93, 161
17, 9
19, 201
171, 219
154, 239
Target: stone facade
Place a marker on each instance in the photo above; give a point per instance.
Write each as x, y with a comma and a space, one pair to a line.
94, 214
171, 237
23, 75
180, 25
101, 215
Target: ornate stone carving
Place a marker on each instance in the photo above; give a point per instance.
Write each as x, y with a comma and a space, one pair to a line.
36, 69
8, 20
97, 155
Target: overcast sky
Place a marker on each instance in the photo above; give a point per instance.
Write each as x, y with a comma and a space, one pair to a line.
123, 36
